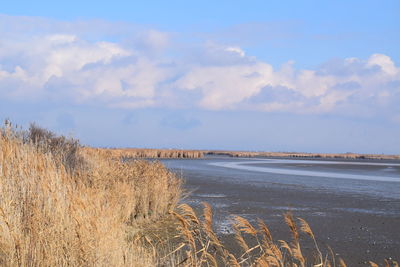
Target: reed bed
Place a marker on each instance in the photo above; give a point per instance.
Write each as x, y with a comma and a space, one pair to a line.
250, 154
135, 153
55, 213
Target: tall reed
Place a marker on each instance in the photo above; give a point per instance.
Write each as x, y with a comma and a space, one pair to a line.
200, 245
137, 153
52, 216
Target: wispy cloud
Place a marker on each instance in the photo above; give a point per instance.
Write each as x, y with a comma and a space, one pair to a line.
134, 67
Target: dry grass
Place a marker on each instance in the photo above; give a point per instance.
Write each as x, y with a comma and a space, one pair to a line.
250, 154
135, 153
200, 246
64, 150
51, 216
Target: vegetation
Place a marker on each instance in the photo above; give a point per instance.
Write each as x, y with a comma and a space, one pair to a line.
61, 204
250, 154
133, 153
200, 245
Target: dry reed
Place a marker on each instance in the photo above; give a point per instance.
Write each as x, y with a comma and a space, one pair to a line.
52, 216
137, 153
250, 154
200, 245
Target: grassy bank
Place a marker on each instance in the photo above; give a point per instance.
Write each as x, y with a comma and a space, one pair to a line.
62, 204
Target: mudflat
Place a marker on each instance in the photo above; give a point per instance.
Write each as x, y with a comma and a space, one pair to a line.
358, 219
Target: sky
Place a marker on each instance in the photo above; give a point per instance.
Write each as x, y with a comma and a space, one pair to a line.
305, 76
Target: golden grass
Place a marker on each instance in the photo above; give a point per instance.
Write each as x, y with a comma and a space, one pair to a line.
135, 153
52, 217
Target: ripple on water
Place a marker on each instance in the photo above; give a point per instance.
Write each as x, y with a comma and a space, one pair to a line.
210, 195
320, 214
286, 208
389, 169
368, 211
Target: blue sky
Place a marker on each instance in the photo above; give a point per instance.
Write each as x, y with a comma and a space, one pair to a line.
311, 76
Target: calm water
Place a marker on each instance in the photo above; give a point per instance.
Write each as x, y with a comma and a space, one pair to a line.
373, 178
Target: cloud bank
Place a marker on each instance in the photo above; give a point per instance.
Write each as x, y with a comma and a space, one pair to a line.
118, 66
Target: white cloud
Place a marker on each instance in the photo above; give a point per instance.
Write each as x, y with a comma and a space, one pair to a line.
224, 86
384, 62
61, 38
358, 82
153, 70
235, 49
155, 40
89, 69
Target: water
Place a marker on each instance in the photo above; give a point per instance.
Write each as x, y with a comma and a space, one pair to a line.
373, 178
354, 206
254, 166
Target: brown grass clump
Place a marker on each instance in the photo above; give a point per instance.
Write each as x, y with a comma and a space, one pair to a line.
64, 150
54, 213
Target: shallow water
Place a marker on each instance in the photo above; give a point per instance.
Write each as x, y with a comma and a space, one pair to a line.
372, 178
354, 206
259, 166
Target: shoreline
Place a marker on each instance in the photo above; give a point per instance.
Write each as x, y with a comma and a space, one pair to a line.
299, 155
153, 153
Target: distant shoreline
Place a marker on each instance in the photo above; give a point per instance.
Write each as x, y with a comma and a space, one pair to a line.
178, 153
305, 155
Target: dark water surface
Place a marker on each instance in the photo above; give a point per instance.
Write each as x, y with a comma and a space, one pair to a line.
354, 206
